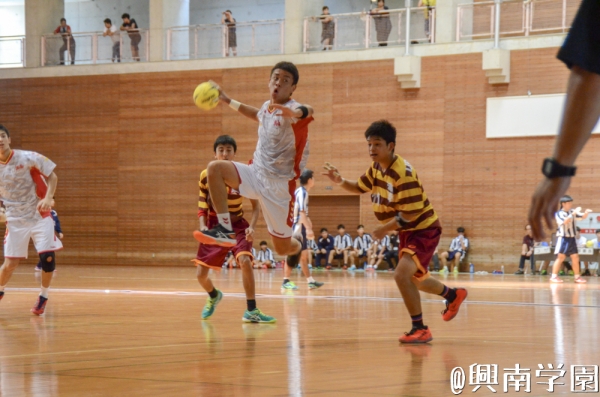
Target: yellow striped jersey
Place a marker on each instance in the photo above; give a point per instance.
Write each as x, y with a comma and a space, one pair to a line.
398, 189
205, 207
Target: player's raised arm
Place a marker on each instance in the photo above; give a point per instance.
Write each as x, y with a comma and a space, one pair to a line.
333, 174
246, 110
301, 112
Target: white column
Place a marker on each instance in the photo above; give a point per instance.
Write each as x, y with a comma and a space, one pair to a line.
445, 23
165, 14
295, 11
41, 16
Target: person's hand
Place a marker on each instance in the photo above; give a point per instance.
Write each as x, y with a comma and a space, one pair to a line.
577, 210
544, 203
379, 233
588, 211
203, 228
60, 235
249, 234
286, 112
332, 173
45, 205
222, 95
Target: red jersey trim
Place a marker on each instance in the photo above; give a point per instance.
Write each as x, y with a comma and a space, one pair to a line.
10, 156
301, 134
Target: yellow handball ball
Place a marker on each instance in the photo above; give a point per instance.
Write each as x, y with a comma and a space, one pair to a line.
206, 96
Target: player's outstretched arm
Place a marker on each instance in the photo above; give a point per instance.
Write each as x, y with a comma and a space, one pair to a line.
45, 204
246, 110
297, 113
334, 175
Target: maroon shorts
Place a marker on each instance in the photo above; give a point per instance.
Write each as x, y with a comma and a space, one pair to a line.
213, 256
421, 245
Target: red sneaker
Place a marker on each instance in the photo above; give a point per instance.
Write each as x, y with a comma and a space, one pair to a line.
40, 305
328, 267
417, 335
452, 308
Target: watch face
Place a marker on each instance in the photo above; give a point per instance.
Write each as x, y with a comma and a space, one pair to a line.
547, 167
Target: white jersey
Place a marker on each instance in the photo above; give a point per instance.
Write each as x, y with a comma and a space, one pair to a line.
282, 148
363, 243
266, 255
300, 203
22, 184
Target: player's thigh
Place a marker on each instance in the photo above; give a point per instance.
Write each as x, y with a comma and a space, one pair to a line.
277, 204
16, 239
406, 267
248, 183
43, 236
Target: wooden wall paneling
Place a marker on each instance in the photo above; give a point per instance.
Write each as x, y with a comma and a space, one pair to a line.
330, 211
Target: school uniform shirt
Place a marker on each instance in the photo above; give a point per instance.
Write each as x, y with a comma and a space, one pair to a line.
456, 245
342, 242
363, 243
266, 255
311, 244
384, 243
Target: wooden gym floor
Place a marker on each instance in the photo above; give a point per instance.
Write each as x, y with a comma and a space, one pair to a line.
124, 331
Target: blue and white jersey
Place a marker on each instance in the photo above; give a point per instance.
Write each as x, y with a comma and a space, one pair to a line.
266, 255
384, 243
342, 242
363, 243
456, 245
565, 229
311, 244
300, 204
253, 252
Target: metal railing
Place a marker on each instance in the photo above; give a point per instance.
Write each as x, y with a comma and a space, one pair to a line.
93, 48
12, 51
218, 40
517, 18
364, 30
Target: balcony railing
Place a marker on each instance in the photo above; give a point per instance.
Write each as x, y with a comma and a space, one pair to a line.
12, 51
92, 48
517, 18
217, 41
363, 30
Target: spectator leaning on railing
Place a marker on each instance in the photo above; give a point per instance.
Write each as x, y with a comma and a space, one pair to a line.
111, 30
383, 25
328, 29
430, 5
68, 41
229, 20
132, 28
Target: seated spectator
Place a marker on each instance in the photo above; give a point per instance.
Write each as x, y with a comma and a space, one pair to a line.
392, 250
527, 252
457, 251
324, 249
342, 246
264, 257
230, 261
380, 251
362, 248
582, 243
436, 260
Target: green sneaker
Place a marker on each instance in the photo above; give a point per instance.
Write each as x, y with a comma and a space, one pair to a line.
571, 273
211, 305
544, 273
315, 285
455, 271
289, 285
256, 316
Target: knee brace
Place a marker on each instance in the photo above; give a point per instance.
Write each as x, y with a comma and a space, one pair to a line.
48, 262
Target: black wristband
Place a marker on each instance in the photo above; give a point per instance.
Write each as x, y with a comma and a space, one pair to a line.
304, 111
401, 221
553, 169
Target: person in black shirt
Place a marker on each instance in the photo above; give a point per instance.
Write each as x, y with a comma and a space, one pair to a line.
527, 252
229, 20
132, 28
324, 247
393, 251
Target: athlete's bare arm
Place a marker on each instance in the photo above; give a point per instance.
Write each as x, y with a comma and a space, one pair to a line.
202, 220
246, 110
382, 230
46, 203
305, 220
293, 113
333, 174
253, 220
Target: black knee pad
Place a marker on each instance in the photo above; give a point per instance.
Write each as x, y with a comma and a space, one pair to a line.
48, 262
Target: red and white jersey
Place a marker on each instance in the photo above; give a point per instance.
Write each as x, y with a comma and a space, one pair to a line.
23, 184
282, 148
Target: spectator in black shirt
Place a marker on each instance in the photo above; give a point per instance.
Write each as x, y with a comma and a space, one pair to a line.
132, 28
392, 253
527, 252
324, 247
229, 20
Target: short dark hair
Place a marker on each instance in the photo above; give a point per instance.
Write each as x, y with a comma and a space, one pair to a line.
126, 15
323, 229
62, 19
325, 8
263, 242
460, 229
288, 67
306, 175
565, 199
597, 230
382, 129
3, 128
107, 20
229, 11
225, 140
340, 226
360, 227
577, 228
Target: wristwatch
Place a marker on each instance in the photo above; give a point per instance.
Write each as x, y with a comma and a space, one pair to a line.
552, 169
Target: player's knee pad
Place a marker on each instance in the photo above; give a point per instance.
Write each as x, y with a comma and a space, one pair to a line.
48, 261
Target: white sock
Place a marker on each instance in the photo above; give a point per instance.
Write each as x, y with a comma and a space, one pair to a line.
310, 280
44, 292
225, 221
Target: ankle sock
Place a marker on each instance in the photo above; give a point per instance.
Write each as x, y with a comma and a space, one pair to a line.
213, 294
225, 221
417, 321
310, 280
251, 304
449, 294
44, 292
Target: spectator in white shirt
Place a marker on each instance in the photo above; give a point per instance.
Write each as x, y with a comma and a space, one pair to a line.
114, 33
457, 251
362, 248
342, 246
379, 252
264, 257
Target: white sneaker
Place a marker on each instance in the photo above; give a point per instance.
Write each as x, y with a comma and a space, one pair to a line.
580, 280
555, 279
38, 269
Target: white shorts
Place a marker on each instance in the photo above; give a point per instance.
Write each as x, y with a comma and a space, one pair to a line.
18, 233
275, 195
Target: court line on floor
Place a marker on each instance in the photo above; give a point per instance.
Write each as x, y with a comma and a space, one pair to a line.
286, 296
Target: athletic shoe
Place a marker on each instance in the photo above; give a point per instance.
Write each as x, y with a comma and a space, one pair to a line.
520, 271
328, 267
40, 305
571, 273
211, 305
289, 285
561, 273
294, 260
315, 285
586, 273
310, 266
417, 335
544, 273
455, 270
256, 316
555, 279
452, 308
580, 280
38, 269
444, 270
1, 295
218, 235
345, 267
353, 267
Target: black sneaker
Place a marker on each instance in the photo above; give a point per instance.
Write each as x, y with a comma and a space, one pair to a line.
1, 295
586, 273
218, 235
315, 285
294, 260
519, 272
